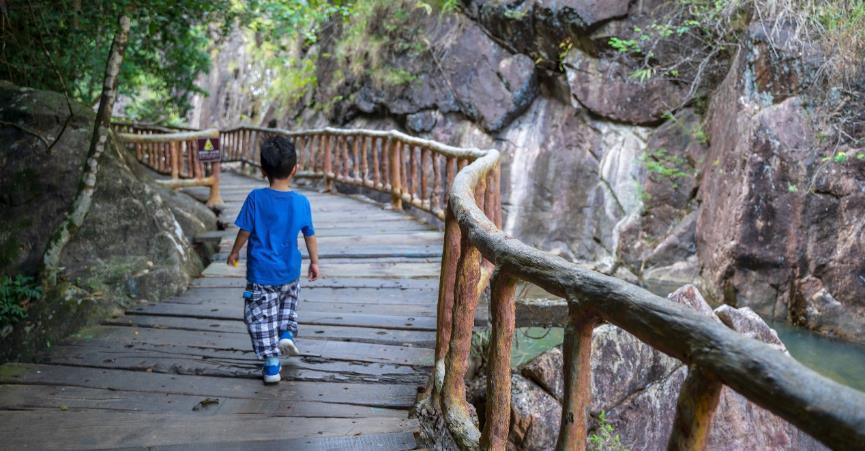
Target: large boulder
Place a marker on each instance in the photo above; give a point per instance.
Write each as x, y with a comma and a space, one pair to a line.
131, 244
539, 27
479, 78
605, 87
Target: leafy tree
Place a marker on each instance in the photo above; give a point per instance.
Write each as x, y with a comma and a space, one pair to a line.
62, 45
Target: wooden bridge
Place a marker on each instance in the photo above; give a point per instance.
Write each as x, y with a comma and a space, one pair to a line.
390, 324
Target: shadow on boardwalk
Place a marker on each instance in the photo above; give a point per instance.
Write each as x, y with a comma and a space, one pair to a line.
181, 374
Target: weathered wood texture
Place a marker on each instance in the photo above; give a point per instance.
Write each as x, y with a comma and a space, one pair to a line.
181, 375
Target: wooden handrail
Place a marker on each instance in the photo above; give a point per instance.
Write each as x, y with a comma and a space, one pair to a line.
418, 172
828, 411
414, 171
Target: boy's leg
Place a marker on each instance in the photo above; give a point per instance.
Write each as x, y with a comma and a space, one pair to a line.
261, 313
288, 296
288, 317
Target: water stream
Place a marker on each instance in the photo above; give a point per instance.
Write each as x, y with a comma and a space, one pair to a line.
840, 361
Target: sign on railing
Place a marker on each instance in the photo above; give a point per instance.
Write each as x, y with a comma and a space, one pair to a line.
177, 154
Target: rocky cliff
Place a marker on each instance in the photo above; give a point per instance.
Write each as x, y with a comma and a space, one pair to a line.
135, 243
716, 173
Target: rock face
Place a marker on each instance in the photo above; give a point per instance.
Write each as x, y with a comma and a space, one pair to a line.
131, 245
733, 190
606, 88
638, 386
776, 230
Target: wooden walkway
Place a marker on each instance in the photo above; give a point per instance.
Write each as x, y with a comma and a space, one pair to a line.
180, 374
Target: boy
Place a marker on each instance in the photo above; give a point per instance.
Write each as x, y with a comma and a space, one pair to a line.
270, 220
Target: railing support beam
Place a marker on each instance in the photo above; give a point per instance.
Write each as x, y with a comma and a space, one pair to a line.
395, 164
444, 320
456, 409
577, 351
498, 401
698, 399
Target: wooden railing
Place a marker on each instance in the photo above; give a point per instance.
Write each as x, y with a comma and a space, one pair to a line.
420, 173
413, 171
169, 151
716, 355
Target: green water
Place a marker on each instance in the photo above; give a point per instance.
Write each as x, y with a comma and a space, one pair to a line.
837, 360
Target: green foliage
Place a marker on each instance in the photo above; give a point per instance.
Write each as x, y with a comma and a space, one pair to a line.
624, 45
62, 45
792, 188
604, 438
664, 164
515, 14
840, 157
376, 32
16, 293
528, 343
643, 74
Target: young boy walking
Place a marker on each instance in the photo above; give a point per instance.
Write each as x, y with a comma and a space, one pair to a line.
270, 220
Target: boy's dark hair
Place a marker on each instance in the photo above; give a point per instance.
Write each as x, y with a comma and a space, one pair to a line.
278, 157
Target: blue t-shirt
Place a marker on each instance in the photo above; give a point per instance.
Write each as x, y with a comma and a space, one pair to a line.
274, 219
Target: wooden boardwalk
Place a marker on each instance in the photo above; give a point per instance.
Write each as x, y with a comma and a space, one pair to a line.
180, 374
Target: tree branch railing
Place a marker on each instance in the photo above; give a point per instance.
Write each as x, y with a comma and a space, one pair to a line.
462, 187
174, 153
413, 171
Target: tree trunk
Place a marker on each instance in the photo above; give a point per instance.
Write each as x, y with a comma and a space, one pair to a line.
81, 205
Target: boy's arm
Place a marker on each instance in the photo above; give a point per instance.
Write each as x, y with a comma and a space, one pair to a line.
312, 249
239, 241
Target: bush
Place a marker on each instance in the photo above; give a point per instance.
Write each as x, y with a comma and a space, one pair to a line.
604, 438
16, 293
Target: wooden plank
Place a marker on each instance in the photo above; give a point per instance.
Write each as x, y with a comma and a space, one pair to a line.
72, 430
362, 394
228, 345
432, 238
390, 254
365, 442
346, 270
305, 317
188, 361
235, 305
411, 338
314, 293
328, 282
85, 400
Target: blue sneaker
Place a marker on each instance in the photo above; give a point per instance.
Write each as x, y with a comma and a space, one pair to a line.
270, 370
286, 343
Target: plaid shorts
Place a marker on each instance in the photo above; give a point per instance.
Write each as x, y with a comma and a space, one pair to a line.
271, 309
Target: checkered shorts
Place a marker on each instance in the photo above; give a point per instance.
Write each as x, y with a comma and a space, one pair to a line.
271, 309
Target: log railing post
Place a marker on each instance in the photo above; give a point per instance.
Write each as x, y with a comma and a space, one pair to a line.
215, 197
175, 160
444, 310
328, 163
456, 410
498, 401
577, 351
468, 288
395, 162
698, 399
